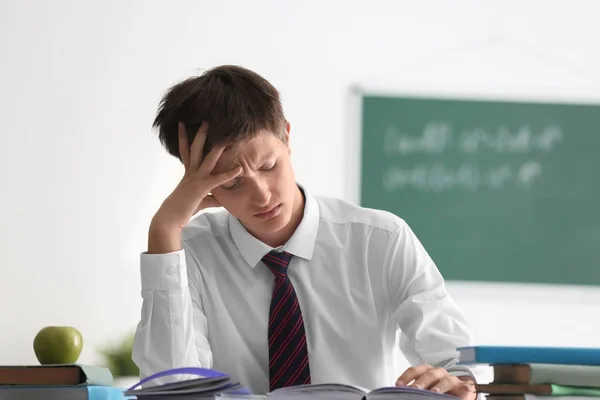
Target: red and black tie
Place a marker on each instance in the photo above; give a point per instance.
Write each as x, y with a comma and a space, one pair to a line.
288, 353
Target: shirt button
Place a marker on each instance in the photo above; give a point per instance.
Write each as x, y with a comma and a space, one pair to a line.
171, 270
174, 322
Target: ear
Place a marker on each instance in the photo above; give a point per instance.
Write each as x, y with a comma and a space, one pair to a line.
287, 134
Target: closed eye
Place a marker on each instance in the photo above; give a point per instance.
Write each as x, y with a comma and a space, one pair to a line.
234, 186
269, 167
238, 182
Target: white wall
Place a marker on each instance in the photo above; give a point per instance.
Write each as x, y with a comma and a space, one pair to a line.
82, 173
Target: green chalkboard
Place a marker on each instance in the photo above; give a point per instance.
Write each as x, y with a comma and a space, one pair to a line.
495, 190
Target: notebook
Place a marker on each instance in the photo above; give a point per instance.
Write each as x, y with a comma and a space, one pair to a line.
329, 391
546, 389
208, 385
535, 397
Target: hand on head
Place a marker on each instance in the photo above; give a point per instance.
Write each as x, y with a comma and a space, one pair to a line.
192, 194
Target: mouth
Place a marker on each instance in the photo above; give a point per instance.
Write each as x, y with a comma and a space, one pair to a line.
269, 213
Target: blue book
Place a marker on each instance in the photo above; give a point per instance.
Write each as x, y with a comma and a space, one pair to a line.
528, 355
55, 392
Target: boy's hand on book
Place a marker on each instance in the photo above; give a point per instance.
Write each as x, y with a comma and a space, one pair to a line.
438, 380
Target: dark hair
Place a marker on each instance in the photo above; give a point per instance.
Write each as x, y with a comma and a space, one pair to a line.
237, 104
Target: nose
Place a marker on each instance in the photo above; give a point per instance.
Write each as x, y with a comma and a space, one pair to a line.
260, 195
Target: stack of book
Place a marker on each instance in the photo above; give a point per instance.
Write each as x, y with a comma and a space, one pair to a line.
537, 373
57, 382
86, 382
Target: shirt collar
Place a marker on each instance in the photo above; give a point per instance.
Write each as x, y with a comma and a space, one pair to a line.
301, 244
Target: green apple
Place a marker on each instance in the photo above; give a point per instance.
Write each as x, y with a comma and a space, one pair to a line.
58, 345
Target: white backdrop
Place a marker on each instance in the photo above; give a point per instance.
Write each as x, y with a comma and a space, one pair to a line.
82, 173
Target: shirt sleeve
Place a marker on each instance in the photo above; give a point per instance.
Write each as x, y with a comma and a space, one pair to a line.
432, 327
172, 331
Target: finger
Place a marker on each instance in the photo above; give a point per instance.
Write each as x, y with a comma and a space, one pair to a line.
466, 390
223, 177
198, 146
411, 374
430, 378
184, 151
208, 164
447, 384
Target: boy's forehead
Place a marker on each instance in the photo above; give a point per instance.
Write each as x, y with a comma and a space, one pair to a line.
253, 152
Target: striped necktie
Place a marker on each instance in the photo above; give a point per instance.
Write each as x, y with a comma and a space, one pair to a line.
288, 353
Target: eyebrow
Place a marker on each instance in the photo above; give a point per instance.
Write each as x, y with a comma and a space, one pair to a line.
263, 159
267, 156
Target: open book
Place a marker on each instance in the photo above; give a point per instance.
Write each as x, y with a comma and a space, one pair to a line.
328, 391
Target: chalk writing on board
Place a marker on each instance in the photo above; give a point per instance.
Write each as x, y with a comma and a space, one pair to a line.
436, 177
438, 137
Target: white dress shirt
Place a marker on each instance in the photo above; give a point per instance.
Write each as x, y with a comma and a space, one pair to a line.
361, 275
